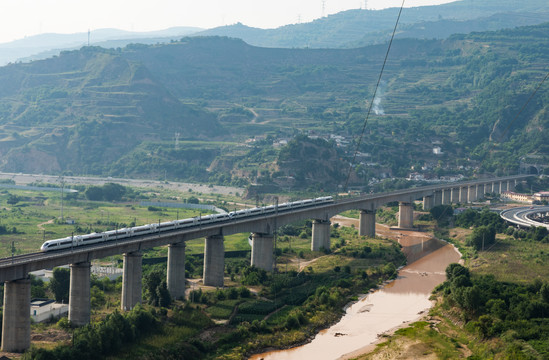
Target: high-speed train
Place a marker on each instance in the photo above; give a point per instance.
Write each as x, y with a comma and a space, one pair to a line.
118, 234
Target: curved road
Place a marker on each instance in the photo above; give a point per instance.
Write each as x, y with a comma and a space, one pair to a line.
520, 216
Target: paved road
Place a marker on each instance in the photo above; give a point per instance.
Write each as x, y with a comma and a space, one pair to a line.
24, 179
519, 215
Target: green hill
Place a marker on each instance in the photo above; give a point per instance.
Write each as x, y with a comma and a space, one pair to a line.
119, 112
85, 109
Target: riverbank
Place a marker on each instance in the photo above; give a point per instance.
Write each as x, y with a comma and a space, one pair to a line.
383, 311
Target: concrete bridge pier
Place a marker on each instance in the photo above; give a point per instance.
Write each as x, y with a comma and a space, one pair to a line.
480, 191
367, 223
16, 323
455, 195
472, 193
446, 196
262, 251
428, 202
511, 185
496, 188
175, 278
214, 261
79, 294
463, 194
503, 186
131, 281
405, 215
438, 198
321, 235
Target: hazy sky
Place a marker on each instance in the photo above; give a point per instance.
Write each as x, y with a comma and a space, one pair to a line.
20, 18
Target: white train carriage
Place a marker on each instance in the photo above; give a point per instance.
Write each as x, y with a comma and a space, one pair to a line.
118, 234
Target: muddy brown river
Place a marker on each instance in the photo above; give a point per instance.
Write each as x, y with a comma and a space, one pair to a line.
382, 311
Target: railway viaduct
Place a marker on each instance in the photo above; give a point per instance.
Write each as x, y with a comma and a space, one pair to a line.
14, 271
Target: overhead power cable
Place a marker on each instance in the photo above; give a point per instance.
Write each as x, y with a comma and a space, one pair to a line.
373, 98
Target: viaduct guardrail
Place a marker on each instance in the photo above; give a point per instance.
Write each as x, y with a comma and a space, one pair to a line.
14, 270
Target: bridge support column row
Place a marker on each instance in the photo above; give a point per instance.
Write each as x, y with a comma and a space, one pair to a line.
131, 281
79, 294
175, 278
367, 223
262, 251
214, 261
16, 322
321, 235
405, 215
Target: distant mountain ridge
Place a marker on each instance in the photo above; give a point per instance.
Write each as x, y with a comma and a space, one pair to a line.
46, 45
353, 28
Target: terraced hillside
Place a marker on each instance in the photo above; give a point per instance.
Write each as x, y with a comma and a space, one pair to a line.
212, 109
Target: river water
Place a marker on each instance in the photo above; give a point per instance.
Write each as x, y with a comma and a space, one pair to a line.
382, 311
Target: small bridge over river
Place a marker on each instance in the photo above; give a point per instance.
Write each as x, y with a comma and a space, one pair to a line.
14, 271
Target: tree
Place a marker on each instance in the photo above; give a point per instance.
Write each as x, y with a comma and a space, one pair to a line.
37, 288
156, 289
482, 237
13, 199
544, 292
454, 270
94, 193
442, 211
113, 192
60, 284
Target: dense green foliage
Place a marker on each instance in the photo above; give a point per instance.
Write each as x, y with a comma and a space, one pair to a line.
102, 339
519, 314
60, 284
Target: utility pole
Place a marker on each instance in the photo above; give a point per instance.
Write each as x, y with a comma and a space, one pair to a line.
62, 191
274, 233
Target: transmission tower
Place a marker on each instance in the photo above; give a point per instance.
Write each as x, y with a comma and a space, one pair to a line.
323, 8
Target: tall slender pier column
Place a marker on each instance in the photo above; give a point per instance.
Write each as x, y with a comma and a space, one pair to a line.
262, 251
481, 190
472, 193
405, 215
321, 235
503, 185
176, 270
496, 189
428, 202
446, 196
463, 194
131, 281
16, 322
455, 195
214, 261
367, 223
438, 198
79, 294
